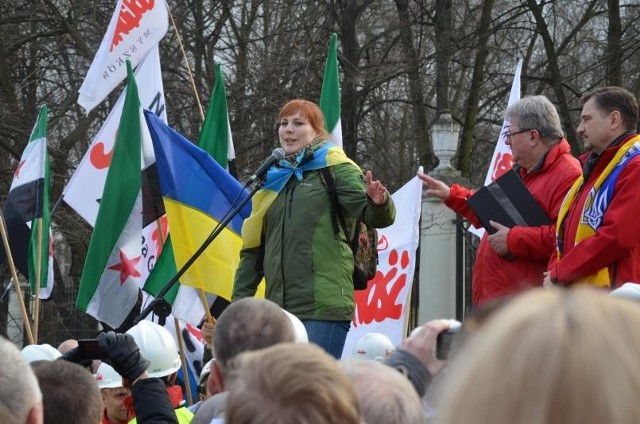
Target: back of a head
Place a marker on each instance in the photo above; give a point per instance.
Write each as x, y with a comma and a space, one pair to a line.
249, 324
67, 345
537, 112
157, 345
69, 393
385, 395
290, 383
19, 390
550, 356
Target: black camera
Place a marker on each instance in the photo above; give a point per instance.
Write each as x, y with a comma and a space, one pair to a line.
446, 339
90, 349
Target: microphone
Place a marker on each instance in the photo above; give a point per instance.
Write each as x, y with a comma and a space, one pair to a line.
276, 156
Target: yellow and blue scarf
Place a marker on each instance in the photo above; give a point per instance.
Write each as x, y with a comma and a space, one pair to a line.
327, 154
595, 206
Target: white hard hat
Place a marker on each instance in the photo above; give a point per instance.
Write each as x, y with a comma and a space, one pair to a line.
375, 346
107, 377
206, 370
157, 345
627, 291
299, 331
41, 352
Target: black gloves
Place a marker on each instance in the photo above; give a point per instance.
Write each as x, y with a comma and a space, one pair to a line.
123, 354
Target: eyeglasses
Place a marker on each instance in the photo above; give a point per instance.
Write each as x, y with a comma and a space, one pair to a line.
509, 135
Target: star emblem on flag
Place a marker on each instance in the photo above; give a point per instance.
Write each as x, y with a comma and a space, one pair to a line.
127, 267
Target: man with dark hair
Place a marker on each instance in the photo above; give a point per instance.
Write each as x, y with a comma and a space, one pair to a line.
514, 259
598, 225
69, 393
20, 396
246, 325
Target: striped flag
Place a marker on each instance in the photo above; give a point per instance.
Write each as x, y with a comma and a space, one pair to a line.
330, 95
28, 206
215, 136
86, 185
197, 194
110, 278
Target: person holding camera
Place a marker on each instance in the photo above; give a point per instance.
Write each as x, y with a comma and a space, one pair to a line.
149, 393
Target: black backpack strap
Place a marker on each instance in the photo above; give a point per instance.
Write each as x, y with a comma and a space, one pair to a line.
329, 180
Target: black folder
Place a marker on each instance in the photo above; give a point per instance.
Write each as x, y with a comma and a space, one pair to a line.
508, 202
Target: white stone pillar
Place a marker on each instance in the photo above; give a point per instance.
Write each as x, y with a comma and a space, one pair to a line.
437, 233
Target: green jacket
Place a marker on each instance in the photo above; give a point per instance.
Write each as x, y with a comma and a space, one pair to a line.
307, 267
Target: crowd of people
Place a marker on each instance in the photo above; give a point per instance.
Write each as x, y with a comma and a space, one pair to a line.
546, 342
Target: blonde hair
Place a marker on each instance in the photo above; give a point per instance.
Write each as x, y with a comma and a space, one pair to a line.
290, 383
550, 356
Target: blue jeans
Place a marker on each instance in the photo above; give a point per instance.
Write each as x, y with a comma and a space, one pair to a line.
329, 335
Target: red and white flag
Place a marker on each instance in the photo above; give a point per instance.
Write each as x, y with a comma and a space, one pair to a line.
501, 160
383, 306
135, 28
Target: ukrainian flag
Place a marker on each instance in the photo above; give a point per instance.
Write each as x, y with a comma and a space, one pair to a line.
197, 195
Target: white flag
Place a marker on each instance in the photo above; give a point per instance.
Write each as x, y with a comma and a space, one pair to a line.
135, 28
382, 307
501, 160
84, 190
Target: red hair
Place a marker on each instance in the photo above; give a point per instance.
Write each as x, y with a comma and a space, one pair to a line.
307, 110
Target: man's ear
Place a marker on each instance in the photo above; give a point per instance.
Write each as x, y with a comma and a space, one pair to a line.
35, 415
215, 382
616, 119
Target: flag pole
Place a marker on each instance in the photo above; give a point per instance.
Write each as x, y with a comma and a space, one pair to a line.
207, 312
14, 275
183, 360
186, 61
176, 324
36, 309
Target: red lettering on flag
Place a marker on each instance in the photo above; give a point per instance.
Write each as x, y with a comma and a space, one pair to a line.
380, 300
156, 235
502, 165
129, 18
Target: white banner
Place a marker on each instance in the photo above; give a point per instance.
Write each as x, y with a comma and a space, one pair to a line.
501, 160
84, 190
382, 307
136, 26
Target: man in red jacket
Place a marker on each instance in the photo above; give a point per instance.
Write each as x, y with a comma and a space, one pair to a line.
513, 259
598, 230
